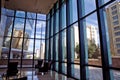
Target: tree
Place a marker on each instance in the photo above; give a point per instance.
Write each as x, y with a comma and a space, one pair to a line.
77, 50
93, 50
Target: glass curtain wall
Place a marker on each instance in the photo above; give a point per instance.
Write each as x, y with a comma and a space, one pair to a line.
23, 37
83, 38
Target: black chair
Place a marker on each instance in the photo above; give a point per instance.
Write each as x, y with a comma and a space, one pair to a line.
11, 70
22, 78
39, 64
46, 67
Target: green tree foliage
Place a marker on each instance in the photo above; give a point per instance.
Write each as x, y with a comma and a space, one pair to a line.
93, 50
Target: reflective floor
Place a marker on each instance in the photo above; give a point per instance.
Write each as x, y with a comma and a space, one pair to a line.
32, 74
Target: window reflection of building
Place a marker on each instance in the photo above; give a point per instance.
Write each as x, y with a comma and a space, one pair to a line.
92, 34
113, 19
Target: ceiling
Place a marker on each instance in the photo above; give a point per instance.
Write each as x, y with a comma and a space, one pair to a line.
37, 6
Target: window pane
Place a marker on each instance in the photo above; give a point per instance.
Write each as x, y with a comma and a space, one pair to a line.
18, 27
77, 71
57, 22
39, 49
73, 10
5, 47
7, 26
95, 73
51, 27
31, 15
41, 16
40, 29
92, 33
116, 74
16, 49
28, 49
113, 25
89, 6
20, 13
104, 1
29, 28
9, 12
63, 16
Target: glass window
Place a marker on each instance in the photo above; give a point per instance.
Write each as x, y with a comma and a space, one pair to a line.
57, 21
7, 25
18, 27
9, 12
16, 48
92, 34
51, 27
115, 17
31, 15
29, 28
41, 16
28, 48
63, 16
115, 23
20, 14
95, 73
89, 5
114, 12
40, 29
5, 47
73, 10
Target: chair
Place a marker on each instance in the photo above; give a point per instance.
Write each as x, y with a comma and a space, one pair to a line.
12, 69
39, 64
22, 78
46, 67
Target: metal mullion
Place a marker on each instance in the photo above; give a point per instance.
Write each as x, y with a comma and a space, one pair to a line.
49, 55
23, 39
54, 39
104, 42
70, 42
82, 41
60, 41
46, 47
34, 41
11, 38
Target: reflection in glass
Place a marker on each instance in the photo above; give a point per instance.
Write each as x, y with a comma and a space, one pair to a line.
116, 74
77, 71
18, 27
95, 73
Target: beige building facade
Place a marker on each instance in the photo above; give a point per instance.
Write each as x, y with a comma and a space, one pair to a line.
113, 21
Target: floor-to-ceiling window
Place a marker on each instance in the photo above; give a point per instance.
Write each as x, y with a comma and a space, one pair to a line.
22, 38
86, 44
